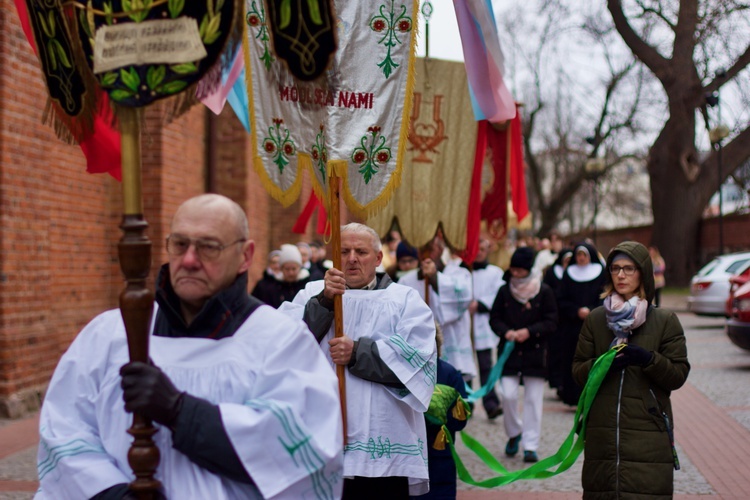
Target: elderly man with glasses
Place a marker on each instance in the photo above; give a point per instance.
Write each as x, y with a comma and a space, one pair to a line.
240, 392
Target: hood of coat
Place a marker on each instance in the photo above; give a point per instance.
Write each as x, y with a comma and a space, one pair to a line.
642, 259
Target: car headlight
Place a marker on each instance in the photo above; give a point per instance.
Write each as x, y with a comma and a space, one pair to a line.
743, 305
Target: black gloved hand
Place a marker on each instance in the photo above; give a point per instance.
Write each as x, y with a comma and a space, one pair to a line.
637, 355
632, 355
146, 390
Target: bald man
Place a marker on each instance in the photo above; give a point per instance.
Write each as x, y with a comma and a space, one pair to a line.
239, 393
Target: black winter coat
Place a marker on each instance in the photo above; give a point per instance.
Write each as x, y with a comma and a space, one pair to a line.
274, 292
539, 315
627, 454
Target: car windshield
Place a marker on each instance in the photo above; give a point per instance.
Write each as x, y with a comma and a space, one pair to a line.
736, 266
708, 268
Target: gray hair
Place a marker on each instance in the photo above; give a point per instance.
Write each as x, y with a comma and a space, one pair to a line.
357, 228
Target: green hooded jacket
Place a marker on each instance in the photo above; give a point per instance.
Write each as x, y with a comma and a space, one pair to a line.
628, 453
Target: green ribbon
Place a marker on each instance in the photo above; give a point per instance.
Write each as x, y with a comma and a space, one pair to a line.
569, 450
495, 373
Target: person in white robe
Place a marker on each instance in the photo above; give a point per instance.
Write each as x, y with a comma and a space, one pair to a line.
238, 393
389, 350
449, 295
487, 280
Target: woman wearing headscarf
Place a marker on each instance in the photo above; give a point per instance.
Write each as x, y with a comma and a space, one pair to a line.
524, 312
274, 291
581, 285
629, 449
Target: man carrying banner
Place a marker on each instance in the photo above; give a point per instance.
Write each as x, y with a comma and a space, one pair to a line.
241, 398
449, 297
390, 352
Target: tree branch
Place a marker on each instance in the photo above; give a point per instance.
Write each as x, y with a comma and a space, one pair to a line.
738, 66
642, 50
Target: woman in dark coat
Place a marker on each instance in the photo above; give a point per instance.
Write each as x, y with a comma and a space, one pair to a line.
628, 450
578, 295
524, 312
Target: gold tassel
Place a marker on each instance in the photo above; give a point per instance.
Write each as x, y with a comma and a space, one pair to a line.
440, 440
459, 410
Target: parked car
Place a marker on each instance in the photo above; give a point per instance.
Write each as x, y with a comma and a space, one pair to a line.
709, 288
738, 325
735, 282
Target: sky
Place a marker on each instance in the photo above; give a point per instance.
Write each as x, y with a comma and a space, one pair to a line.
445, 42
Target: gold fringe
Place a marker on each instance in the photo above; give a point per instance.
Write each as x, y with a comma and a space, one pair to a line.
370, 209
440, 440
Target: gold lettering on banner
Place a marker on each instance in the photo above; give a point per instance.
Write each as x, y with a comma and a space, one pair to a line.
425, 137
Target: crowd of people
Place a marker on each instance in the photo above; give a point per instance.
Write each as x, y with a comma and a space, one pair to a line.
245, 396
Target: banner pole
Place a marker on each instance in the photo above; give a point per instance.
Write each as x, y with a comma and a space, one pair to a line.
338, 305
136, 300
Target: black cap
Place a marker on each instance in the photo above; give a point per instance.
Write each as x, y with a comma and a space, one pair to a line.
523, 257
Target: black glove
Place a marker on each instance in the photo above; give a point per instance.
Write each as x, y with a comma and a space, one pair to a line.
632, 355
147, 391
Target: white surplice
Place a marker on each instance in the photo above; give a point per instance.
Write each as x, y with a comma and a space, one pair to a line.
385, 426
276, 394
450, 308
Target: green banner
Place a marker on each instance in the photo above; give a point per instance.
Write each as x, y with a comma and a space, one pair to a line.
561, 461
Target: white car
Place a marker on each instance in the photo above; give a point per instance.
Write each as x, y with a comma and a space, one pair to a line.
709, 288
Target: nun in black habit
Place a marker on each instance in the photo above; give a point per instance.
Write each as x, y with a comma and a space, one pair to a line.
578, 294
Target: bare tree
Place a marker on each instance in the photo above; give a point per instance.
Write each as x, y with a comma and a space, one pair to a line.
569, 124
693, 48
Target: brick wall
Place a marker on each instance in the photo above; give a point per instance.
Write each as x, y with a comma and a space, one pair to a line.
59, 225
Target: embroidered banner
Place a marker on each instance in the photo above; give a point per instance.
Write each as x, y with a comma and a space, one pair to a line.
354, 118
439, 163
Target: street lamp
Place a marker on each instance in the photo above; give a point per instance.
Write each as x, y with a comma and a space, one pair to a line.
594, 167
716, 135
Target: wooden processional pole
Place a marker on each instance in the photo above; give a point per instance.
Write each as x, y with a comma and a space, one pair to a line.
338, 306
136, 300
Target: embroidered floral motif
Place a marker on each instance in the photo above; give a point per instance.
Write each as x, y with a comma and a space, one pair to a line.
279, 144
256, 19
320, 152
391, 26
371, 156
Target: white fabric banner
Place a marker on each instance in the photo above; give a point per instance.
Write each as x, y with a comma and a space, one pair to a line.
353, 119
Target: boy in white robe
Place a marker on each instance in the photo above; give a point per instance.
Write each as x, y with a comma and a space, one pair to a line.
449, 299
240, 400
487, 280
389, 349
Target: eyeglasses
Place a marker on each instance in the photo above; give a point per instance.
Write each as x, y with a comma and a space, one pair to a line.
206, 249
628, 270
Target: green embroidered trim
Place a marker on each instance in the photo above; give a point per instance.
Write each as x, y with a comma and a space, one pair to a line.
415, 358
257, 19
392, 25
56, 453
298, 445
384, 449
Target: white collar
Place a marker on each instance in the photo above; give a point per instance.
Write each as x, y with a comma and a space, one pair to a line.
583, 274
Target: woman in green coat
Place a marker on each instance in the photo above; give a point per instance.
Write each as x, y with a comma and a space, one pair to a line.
629, 451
